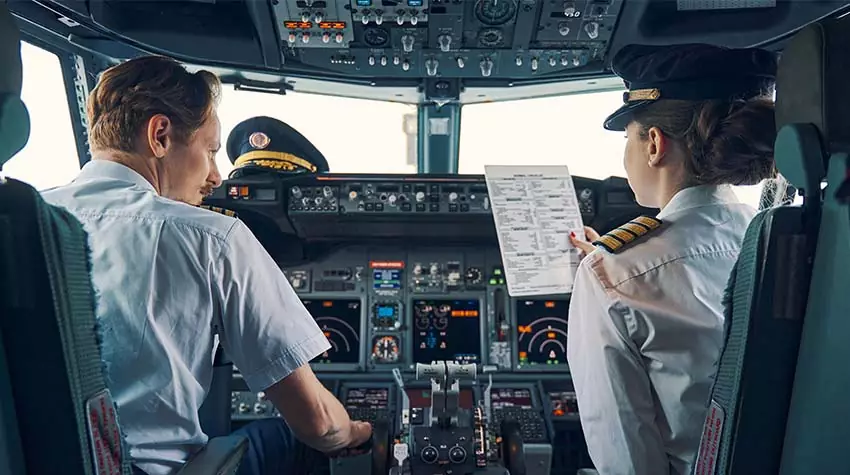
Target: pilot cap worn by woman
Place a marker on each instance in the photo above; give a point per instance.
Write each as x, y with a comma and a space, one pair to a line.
691, 72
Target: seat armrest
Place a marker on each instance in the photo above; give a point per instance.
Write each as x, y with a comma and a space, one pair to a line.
221, 456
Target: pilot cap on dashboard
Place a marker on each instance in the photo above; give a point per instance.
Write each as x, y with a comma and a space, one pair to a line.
264, 144
692, 72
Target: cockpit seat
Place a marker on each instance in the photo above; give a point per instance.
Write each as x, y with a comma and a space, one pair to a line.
817, 98
756, 407
56, 413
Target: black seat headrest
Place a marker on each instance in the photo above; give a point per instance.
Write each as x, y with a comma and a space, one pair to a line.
811, 85
14, 119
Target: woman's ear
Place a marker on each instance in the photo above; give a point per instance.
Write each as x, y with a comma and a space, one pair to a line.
657, 146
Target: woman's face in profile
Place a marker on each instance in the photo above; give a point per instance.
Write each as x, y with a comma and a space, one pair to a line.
642, 178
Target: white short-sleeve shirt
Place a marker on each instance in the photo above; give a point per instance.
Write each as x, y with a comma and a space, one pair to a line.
168, 276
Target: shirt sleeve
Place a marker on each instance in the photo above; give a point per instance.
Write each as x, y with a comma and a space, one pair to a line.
265, 329
615, 397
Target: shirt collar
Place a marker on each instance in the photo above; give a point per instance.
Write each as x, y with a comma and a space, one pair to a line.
697, 196
95, 169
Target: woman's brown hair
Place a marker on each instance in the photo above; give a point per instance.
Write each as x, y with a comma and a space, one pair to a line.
726, 142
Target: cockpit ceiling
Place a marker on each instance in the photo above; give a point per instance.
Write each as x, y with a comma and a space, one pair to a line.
408, 51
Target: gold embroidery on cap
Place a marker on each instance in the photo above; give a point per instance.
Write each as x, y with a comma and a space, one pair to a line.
644, 95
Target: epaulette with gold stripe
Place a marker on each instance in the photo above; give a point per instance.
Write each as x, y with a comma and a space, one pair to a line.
615, 240
223, 211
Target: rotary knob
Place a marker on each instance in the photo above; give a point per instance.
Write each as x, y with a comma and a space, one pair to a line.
457, 454
430, 454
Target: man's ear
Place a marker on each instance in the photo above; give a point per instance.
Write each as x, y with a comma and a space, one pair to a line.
158, 135
657, 146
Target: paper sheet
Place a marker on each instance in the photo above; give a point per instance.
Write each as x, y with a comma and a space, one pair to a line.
535, 209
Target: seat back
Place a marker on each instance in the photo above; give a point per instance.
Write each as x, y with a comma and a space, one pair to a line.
818, 430
56, 415
768, 309
14, 119
215, 413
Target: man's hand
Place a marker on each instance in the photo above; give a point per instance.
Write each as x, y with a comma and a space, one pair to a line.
584, 245
361, 438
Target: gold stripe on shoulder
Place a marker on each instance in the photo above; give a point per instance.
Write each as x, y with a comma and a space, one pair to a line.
219, 210
649, 222
623, 235
637, 229
610, 243
618, 238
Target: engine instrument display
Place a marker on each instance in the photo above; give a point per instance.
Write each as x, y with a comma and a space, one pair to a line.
447, 330
511, 397
340, 320
373, 398
542, 332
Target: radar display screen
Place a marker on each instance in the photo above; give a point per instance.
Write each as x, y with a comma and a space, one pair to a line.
339, 319
511, 397
542, 332
446, 330
373, 398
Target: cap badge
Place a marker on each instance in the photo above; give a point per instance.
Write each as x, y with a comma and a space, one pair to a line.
642, 95
259, 140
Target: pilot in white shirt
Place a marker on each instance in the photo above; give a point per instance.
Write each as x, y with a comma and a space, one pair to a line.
646, 317
169, 276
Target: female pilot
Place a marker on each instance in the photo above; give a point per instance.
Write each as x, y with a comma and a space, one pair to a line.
646, 318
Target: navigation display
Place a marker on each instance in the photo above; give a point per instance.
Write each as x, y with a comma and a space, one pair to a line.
511, 397
339, 319
542, 332
446, 330
373, 398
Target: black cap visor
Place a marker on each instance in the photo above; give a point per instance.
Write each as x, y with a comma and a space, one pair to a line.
619, 120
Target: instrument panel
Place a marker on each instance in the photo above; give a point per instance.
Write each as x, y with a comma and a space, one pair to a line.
384, 308
446, 38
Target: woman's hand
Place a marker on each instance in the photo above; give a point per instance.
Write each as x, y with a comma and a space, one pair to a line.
584, 245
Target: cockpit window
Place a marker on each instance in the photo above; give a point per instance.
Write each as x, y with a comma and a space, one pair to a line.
552, 131
545, 131
50, 157
355, 135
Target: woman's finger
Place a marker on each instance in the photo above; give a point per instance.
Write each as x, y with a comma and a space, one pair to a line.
582, 246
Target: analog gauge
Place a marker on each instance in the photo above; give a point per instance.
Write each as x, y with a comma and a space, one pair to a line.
422, 322
495, 12
442, 311
376, 37
440, 323
491, 37
473, 275
424, 310
385, 349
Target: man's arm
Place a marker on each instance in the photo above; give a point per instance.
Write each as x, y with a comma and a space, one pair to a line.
271, 338
314, 414
612, 386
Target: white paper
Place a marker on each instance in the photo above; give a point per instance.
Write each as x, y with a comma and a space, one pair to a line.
535, 209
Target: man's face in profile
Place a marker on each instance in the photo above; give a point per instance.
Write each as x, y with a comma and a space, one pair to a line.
192, 173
